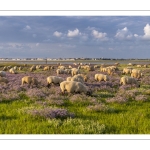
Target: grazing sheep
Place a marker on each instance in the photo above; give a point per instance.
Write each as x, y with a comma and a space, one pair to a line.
110, 71
15, 67
145, 66
136, 73
74, 71
82, 76
2, 73
3, 80
20, 68
5, 68
25, 65
12, 71
33, 68
139, 66
29, 80
74, 87
77, 78
47, 68
68, 71
128, 80
52, 67
127, 71
62, 67
101, 77
90, 68
54, 80
60, 71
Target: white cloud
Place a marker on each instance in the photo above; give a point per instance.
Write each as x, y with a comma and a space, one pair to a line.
73, 33
99, 35
37, 44
135, 35
57, 34
27, 27
123, 34
147, 32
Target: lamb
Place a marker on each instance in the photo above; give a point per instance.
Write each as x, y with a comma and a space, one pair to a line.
74, 87
54, 80
128, 80
3, 80
29, 80
2, 73
101, 77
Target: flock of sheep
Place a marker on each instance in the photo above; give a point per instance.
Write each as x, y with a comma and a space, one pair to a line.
75, 82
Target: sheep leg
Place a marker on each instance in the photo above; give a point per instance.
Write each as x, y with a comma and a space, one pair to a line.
48, 85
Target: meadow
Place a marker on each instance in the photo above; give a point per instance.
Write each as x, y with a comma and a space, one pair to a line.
111, 109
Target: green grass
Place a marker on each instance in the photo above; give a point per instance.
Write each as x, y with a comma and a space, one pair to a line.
129, 118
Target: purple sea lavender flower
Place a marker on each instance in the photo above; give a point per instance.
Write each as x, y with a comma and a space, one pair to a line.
53, 113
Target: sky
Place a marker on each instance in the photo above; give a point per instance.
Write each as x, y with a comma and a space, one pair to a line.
75, 37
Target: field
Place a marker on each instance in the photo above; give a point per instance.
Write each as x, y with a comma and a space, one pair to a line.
111, 109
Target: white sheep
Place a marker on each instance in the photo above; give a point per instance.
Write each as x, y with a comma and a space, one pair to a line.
101, 77
74, 87
47, 68
2, 73
12, 71
54, 80
5, 68
75, 71
127, 71
61, 67
33, 68
60, 71
29, 80
3, 80
128, 80
136, 73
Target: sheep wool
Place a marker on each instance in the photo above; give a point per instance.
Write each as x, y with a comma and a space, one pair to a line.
73, 87
128, 80
101, 77
54, 80
29, 80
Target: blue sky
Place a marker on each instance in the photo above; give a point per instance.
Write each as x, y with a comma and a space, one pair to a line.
75, 36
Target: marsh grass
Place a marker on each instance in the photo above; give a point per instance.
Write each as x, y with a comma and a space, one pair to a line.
112, 109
